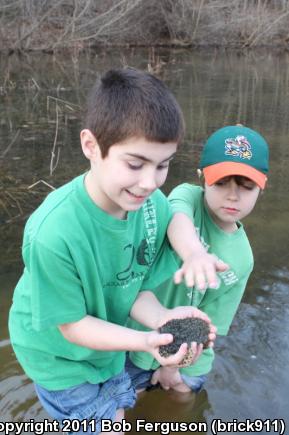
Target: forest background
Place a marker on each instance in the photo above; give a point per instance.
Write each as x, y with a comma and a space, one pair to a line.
53, 25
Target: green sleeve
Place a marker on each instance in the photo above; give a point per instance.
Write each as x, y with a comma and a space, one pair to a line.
184, 198
56, 291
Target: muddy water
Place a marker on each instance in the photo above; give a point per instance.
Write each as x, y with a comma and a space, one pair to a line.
40, 111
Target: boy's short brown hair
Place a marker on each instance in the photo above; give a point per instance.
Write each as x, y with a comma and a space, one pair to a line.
128, 102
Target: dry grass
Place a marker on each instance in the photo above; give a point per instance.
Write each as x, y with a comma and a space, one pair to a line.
46, 25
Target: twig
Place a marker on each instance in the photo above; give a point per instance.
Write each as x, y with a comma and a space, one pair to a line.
72, 23
250, 44
111, 23
67, 104
2, 203
52, 164
41, 181
16, 201
10, 145
198, 19
35, 83
30, 31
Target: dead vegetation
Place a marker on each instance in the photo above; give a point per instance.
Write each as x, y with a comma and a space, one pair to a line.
78, 24
17, 201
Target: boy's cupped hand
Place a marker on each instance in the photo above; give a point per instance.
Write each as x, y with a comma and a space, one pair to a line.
156, 339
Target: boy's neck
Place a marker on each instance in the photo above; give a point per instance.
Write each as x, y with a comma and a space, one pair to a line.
100, 200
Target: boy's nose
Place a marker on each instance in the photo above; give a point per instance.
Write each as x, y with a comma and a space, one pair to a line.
148, 181
233, 192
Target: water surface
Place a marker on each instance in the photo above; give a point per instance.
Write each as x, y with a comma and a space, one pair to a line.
40, 113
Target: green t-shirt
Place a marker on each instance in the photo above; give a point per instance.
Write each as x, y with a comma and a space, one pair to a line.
82, 261
220, 304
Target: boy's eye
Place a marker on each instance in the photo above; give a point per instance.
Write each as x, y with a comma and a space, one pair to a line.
245, 182
222, 182
163, 166
134, 166
248, 186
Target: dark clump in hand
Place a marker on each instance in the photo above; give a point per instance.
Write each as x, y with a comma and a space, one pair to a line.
184, 331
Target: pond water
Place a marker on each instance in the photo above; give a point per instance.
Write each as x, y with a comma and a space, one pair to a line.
41, 98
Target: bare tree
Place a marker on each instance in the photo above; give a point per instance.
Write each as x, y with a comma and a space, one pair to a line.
47, 25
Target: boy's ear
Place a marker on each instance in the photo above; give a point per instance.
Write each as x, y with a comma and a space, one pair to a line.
89, 144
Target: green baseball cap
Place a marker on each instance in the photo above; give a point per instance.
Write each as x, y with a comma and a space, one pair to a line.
235, 150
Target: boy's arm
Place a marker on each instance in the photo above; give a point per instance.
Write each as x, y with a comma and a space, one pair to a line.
98, 334
199, 267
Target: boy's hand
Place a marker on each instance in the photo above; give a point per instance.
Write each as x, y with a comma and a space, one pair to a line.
155, 339
200, 270
167, 377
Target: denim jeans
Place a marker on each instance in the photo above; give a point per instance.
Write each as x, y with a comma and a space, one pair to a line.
88, 403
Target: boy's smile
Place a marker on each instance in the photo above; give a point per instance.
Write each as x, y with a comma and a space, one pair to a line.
230, 200
128, 175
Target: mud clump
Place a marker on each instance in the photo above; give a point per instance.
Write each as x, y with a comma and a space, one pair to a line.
184, 331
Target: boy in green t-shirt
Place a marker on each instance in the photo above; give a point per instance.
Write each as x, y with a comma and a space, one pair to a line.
206, 226
93, 249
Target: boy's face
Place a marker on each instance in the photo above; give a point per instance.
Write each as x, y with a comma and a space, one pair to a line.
128, 175
230, 200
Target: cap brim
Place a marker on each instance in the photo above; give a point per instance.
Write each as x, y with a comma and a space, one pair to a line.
213, 173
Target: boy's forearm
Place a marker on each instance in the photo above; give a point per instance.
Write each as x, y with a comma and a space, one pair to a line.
147, 310
183, 237
98, 334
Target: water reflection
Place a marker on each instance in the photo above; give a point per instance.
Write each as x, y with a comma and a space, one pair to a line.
41, 100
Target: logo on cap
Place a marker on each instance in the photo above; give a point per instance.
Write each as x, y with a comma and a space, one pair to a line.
238, 147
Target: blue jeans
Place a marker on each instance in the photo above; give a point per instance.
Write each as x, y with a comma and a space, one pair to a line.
141, 379
88, 403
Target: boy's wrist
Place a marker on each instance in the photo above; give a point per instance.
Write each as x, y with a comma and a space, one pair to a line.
160, 320
195, 252
171, 369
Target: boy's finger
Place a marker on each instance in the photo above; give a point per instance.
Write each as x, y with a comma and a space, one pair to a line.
177, 358
201, 315
189, 278
221, 266
212, 337
178, 276
164, 339
154, 378
200, 280
194, 353
211, 275
213, 329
